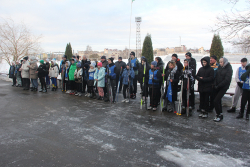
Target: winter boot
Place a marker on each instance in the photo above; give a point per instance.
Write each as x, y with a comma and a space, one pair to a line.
218, 118
240, 115
45, 91
124, 100
55, 88
154, 108
247, 116
127, 101
231, 110
205, 115
41, 90
31, 88
94, 96
48, 86
149, 108
202, 112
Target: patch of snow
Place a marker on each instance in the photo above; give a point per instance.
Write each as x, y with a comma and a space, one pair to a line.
109, 147
197, 158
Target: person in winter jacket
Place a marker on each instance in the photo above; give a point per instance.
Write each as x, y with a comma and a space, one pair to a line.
192, 65
66, 77
33, 75
127, 79
246, 93
25, 73
188, 73
141, 75
72, 70
120, 66
111, 76
135, 65
84, 71
178, 63
205, 77
78, 79
47, 73
222, 83
53, 73
62, 71
154, 84
91, 81
105, 65
160, 64
12, 73
41, 70
238, 89
99, 78
172, 76
18, 74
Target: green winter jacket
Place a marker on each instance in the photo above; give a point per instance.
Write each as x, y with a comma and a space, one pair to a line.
72, 72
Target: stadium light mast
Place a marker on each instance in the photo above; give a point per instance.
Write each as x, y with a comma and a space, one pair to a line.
138, 36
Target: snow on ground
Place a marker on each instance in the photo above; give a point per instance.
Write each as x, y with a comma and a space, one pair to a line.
196, 158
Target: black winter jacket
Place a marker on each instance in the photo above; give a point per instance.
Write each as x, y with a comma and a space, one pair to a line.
207, 72
224, 75
141, 72
192, 64
118, 65
42, 70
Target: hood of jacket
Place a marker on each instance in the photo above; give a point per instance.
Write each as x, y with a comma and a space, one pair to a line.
207, 59
160, 62
225, 62
91, 70
111, 64
146, 60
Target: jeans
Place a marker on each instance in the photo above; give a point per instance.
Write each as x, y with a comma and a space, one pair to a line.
47, 80
34, 83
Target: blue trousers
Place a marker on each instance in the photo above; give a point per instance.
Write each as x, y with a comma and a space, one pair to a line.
47, 80
54, 81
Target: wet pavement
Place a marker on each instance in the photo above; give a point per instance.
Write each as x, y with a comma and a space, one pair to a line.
57, 129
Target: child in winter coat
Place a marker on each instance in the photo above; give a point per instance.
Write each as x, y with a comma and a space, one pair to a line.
111, 76
66, 77
205, 77
78, 79
127, 78
41, 70
188, 73
154, 84
53, 73
85, 76
99, 77
171, 77
72, 69
141, 75
12, 73
91, 81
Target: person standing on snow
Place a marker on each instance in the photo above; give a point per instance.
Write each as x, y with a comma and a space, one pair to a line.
221, 85
135, 65
127, 76
238, 89
99, 78
25, 73
120, 65
205, 77
112, 76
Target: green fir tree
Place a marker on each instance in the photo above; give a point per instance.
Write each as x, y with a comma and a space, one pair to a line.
147, 49
68, 51
216, 47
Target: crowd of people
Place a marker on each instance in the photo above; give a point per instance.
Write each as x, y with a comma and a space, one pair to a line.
105, 79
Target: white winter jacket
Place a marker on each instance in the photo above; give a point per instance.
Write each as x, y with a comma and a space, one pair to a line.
25, 70
54, 71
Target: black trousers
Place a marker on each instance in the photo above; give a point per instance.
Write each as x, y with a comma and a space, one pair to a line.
65, 85
204, 100
91, 89
144, 89
79, 87
154, 94
211, 99
43, 83
113, 85
84, 85
14, 80
184, 98
125, 87
26, 83
135, 84
72, 85
117, 81
217, 100
244, 99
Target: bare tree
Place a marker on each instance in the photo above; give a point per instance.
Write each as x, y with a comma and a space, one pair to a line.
88, 51
235, 26
17, 41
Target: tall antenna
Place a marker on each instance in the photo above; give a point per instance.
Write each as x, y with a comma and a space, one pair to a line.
138, 36
180, 40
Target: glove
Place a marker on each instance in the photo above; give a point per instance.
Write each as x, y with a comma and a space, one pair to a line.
240, 84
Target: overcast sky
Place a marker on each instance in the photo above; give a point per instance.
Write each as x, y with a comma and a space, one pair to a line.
106, 23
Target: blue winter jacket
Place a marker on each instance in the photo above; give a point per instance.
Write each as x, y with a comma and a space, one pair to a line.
100, 75
125, 76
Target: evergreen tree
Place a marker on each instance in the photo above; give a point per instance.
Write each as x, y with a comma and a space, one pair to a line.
68, 51
216, 47
147, 49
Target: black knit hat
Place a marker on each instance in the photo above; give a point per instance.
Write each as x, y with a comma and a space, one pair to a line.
73, 57
132, 53
78, 57
214, 57
243, 60
188, 54
103, 57
112, 59
120, 58
26, 58
174, 55
64, 56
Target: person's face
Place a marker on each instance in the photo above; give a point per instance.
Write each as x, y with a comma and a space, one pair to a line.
127, 67
13, 63
156, 60
52, 62
187, 57
204, 63
185, 63
84, 58
17, 62
109, 61
221, 62
72, 62
212, 60
66, 64
91, 67
24, 60
174, 58
170, 66
77, 59
102, 60
98, 67
152, 66
244, 64
142, 61
119, 60
132, 56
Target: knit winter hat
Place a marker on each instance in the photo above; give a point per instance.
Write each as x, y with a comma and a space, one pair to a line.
103, 57
112, 59
214, 57
154, 63
175, 55
120, 58
92, 64
132, 53
42, 61
188, 54
243, 60
26, 58
78, 57
78, 65
68, 63
99, 64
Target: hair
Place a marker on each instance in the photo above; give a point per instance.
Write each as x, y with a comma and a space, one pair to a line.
173, 63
